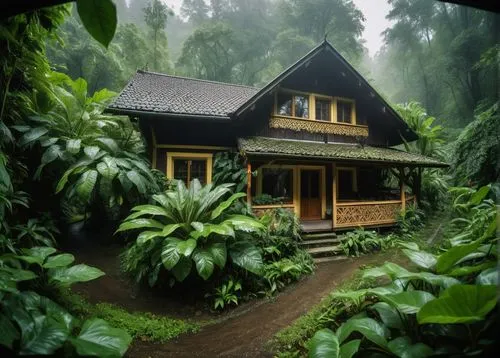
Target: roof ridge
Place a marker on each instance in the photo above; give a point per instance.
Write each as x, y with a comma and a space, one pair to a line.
197, 79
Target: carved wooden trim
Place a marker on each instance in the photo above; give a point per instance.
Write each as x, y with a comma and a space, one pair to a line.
314, 126
373, 213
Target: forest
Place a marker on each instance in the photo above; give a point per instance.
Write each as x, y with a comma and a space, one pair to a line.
186, 257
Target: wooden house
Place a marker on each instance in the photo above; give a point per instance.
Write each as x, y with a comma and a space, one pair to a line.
318, 136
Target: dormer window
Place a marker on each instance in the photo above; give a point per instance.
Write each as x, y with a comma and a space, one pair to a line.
294, 105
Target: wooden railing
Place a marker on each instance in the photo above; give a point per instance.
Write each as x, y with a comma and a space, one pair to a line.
354, 214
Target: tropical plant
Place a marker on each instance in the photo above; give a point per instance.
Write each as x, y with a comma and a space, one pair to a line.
410, 219
227, 293
230, 167
282, 222
34, 324
360, 241
186, 226
446, 307
280, 273
266, 199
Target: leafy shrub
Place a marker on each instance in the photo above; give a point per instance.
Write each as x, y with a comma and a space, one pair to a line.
186, 226
226, 294
445, 307
282, 222
280, 273
230, 167
360, 241
266, 199
34, 324
410, 219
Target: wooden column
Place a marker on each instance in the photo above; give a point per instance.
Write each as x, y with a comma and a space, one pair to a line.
249, 184
334, 194
402, 188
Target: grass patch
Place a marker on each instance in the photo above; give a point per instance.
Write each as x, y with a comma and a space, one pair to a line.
291, 341
143, 326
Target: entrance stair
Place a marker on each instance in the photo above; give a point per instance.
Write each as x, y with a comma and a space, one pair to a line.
323, 247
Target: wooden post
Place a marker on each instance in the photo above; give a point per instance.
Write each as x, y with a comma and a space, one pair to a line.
334, 199
402, 188
249, 184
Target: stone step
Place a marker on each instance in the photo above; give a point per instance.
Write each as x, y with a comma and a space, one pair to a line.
323, 250
317, 242
319, 260
323, 235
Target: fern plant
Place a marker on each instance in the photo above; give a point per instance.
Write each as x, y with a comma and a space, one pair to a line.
359, 242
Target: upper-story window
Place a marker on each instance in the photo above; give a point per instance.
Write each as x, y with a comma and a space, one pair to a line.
316, 107
344, 111
323, 109
293, 105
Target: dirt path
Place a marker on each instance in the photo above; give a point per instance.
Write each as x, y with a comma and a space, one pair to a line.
246, 334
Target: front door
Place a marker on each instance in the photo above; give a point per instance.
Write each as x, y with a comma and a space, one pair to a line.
310, 194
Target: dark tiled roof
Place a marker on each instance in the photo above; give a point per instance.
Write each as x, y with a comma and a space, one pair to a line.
160, 93
291, 148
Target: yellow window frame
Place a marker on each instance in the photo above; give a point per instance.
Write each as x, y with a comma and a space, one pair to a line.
207, 157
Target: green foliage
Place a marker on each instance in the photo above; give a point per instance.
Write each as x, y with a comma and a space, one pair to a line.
410, 219
266, 199
280, 273
282, 222
360, 241
230, 168
186, 227
226, 294
441, 307
475, 152
36, 325
99, 18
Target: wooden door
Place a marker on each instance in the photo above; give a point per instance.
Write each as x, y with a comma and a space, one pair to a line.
310, 194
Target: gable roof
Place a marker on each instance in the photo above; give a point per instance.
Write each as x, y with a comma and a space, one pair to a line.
261, 146
158, 93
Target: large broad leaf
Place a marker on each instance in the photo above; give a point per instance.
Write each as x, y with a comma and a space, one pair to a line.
204, 262
99, 18
467, 270
98, 338
433, 279
8, 332
32, 135
140, 224
244, 223
182, 269
86, 184
51, 153
347, 350
460, 304
91, 151
368, 327
148, 209
389, 315
223, 229
246, 255
454, 254
324, 344
421, 258
77, 273
402, 347
219, 253
106, 171
408, 302
225, 204
61, 260
169, 254
488, 277
73, 145
145, 236
40, 253
186, 247
479, 195
387, 269
138, 180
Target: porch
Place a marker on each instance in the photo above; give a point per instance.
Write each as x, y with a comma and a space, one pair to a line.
334, 192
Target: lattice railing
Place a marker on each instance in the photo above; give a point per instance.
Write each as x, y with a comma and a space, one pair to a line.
367, 213
313, 126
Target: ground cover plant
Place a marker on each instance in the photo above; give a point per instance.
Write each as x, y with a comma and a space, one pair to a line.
445, 306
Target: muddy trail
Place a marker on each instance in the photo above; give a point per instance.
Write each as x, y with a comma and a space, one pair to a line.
246, 334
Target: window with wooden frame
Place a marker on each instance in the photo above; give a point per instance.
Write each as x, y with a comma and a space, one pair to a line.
294, 105
323, 109
189, 166
345, 111
347, 183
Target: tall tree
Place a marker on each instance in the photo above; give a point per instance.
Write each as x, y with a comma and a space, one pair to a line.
155, 15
